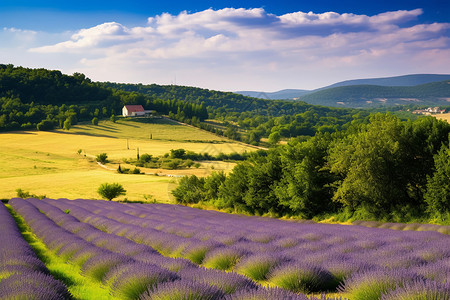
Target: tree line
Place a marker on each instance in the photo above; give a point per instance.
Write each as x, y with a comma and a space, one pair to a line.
384, 169
44, 99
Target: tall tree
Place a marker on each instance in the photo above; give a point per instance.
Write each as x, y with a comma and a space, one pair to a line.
370, 164
437, 196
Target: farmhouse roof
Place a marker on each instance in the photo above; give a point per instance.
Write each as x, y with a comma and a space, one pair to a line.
134, 108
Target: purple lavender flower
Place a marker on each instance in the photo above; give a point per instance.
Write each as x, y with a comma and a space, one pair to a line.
183, 290
197, 252
33, 285
372, 284
438, 271
266, 294
419, 290
222, 258
259, 265
228, 282
304, 278
130, 280
97, 266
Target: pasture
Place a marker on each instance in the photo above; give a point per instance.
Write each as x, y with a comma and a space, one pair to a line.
445, 117
48, 163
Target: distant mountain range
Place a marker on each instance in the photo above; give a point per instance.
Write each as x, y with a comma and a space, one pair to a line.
426, 89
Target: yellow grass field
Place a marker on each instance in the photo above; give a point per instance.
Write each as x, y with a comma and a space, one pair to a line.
48, 163
445, 117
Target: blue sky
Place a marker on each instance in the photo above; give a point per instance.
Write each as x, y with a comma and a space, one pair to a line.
228, 45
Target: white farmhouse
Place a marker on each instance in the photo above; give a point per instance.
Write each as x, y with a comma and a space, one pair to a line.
133, 111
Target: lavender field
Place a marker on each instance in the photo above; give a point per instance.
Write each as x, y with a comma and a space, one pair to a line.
158, 251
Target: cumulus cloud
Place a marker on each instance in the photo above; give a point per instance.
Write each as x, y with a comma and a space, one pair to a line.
217, 43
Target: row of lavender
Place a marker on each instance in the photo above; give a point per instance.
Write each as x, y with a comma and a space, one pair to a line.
299, 257
22, 274
445, 229
131, 270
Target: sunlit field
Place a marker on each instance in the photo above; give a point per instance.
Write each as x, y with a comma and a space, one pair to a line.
62, 163
156, 251
445, 117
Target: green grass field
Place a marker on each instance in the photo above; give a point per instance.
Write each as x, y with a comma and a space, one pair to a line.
48, 163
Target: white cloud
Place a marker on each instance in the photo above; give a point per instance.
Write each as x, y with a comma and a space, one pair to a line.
246, 48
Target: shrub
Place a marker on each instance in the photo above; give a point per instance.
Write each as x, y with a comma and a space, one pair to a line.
419, 290
183, 290
301, 278
258, 266
67, 124
227, 282
368, 285
145, 158
131, 280
222, 259
96, 267
45, 125
102, 158
177, 153
190, 190
267, 294
197, 252
24, 194
111, 190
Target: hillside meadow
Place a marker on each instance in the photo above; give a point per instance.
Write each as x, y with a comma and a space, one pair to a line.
48, 162
445, 117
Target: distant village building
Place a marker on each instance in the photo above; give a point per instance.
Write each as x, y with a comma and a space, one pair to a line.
429, 111
135, 111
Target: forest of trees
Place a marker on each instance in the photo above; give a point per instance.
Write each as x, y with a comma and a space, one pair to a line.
382, 169
43, 99
256, 117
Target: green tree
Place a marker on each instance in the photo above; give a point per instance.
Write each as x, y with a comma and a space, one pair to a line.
67, 124
177, 153
263, 177
213, 183
231, 192
113, 118
45, 125
305, 187
111, 190
274, 138
95, 121
371, 164
102, 158
190, 190
437, 195
232, 133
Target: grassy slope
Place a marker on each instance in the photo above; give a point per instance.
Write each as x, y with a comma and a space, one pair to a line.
445, 117
47, 163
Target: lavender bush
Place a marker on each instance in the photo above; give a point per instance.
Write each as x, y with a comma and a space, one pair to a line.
299, 256
183, 290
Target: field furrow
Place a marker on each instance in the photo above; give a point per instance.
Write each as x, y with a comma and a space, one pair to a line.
22, 274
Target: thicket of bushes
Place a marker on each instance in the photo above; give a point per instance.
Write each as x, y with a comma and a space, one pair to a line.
181, 159
386, 169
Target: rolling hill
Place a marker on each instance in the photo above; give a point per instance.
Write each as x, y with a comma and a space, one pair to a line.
280, 95
421, 89
405, 80
435, 93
